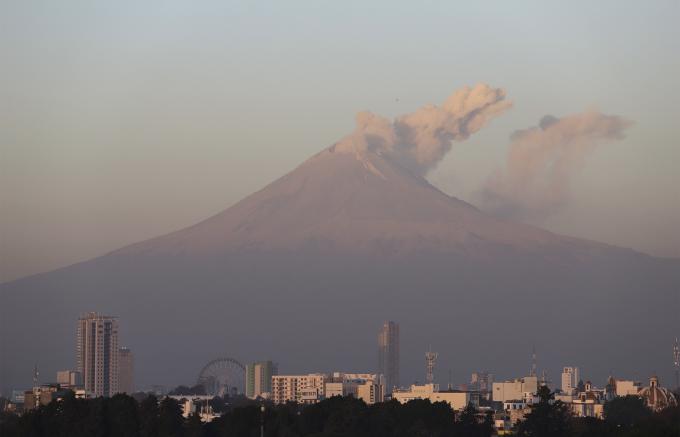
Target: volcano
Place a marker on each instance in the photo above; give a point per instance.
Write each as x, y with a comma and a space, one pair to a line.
360, 202
305, 270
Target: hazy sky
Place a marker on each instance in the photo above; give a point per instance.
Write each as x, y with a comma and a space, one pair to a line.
120, 120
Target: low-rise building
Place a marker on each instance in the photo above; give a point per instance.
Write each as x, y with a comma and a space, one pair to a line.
590, 402
306, 389
196, 404
515, 389
43, 395
626, 388
69, 379
457, 399
369, 387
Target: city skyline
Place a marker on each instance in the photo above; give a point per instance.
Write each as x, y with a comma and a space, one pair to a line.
447, 219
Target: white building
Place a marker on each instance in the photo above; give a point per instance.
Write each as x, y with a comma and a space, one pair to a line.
369, 387
307, 389
626, 388
516, 389
196, 404
370, 392
455, 398
569, 379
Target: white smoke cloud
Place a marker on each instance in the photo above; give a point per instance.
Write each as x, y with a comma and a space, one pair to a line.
421, 139
541, 161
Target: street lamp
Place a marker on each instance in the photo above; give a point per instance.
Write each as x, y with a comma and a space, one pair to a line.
261, 420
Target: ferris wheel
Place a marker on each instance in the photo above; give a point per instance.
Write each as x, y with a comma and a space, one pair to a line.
223, 376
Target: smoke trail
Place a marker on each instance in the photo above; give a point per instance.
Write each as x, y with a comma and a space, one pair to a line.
421, 139
541, 161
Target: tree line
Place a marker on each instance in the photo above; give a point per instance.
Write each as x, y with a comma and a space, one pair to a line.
122, 415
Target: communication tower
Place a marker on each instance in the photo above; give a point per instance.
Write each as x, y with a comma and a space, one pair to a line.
430, 359
676, 362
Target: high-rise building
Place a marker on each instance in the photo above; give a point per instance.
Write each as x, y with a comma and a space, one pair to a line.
569, 379
97, 354
259, 378
126, 370
388, 355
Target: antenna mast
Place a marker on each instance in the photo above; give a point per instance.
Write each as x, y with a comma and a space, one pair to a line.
35, 375
430, 359
676, 362
532, 372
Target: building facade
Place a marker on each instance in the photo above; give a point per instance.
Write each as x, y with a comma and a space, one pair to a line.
388, 355
570, 379
69, 379
369, 387
259, 379
481, 381
304, 389
455, 398
590, 402
97, 354
626, 387
516, 389
126, 371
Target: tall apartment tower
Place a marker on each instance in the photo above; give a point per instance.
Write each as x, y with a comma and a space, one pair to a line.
569, 379
388, 355
259, 378
97, 354
126, 370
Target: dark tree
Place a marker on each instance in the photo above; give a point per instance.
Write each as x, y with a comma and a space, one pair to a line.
193, 427
624, 412
546, 419
149, 417
183, 390
170, 418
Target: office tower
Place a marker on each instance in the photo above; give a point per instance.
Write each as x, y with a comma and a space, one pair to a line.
259, 378
388, 355
569, 379
126, 370
97, 354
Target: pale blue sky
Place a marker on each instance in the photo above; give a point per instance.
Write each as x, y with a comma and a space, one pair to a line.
121, 121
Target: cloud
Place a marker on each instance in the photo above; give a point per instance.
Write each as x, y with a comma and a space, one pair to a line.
419, 140
541, 161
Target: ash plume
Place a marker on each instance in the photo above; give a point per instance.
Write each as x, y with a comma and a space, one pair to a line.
419, 140
541, 161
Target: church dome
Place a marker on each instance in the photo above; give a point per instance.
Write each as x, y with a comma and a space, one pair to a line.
657, 398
